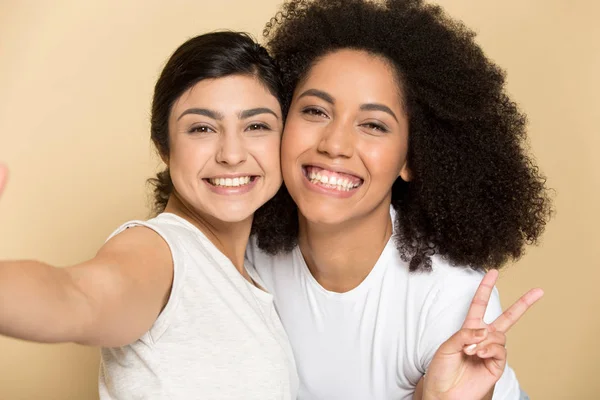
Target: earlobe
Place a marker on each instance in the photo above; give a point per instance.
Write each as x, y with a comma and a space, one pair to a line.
405, 173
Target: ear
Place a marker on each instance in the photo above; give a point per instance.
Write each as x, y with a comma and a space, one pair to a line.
405, 173
164, 158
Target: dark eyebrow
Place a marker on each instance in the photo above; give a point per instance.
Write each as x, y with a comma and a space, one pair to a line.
256, 111
203, 111
320, 94
365, 107
378, 107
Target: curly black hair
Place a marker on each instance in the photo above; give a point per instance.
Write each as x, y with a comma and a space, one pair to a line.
476, 197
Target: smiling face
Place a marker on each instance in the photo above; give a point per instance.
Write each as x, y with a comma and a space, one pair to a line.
345, 139
224, 137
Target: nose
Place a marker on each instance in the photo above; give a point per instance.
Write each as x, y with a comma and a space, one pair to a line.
232, 150
337, 140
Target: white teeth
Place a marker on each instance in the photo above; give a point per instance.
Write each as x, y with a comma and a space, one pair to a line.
342, 184
230, 182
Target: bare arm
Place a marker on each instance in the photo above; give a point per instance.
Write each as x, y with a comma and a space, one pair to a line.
418, 394
110, 300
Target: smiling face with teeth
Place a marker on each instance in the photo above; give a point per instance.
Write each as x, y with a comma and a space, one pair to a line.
346, 138
224, 137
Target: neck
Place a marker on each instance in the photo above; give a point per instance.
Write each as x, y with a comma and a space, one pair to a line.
341, 256
231, 238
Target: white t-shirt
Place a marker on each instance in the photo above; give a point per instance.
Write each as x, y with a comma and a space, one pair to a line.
377, 340
218, 337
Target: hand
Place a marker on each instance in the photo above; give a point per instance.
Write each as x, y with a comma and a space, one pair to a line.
468, 365
3, 177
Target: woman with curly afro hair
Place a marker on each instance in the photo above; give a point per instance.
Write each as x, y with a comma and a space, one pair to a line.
406, 178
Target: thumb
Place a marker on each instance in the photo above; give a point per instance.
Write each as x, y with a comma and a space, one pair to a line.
3, 177
464, 340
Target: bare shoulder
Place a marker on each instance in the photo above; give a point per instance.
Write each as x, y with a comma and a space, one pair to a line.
138, 242
125, 285
138, 256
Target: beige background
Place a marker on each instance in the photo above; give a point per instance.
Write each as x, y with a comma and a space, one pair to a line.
76, 79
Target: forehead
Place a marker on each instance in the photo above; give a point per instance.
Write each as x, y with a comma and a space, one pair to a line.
233, 92
354, 73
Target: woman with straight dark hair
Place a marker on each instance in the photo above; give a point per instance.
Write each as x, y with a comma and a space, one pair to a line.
170, 300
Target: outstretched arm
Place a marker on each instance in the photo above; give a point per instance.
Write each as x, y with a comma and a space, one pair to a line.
110, 300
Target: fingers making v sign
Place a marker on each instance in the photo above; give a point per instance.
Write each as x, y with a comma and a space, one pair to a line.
468, 365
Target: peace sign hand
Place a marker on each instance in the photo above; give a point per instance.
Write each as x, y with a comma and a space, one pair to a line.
468, 365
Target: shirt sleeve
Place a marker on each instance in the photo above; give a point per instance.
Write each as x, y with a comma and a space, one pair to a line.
446, 316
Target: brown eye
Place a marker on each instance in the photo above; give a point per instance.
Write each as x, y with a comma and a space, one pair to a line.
314, 112
201, 129
375, 127
258, 127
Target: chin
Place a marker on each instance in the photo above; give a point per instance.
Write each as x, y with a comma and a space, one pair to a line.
233, 214
323, 215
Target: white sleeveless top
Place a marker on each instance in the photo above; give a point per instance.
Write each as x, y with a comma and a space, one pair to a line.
218, 337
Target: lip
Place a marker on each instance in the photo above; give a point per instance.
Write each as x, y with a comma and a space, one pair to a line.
234, 190
325, 190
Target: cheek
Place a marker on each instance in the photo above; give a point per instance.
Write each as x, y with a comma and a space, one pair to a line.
298, 136
190, 156
289, 154
384, 160
266, 153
